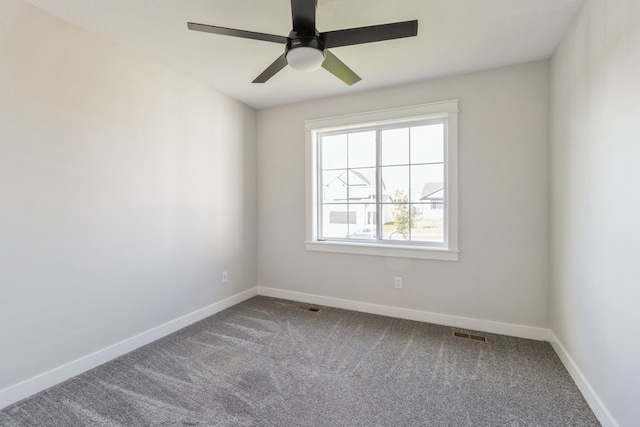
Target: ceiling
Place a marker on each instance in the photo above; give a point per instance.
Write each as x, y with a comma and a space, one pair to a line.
454, 37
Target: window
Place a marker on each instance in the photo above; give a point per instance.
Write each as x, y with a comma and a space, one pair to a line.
384, 182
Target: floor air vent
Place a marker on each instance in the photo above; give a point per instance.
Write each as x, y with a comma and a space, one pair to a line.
309, 308
469, 336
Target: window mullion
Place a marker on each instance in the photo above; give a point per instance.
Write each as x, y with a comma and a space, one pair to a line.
348, 190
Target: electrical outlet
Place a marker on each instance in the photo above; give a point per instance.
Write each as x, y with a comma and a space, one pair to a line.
225, 277
397, 282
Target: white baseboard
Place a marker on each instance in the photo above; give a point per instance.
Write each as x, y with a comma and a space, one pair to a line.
598, 408
55, 376
43, 381
510, 329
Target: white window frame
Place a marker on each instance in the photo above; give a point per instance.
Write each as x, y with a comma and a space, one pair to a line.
449, 251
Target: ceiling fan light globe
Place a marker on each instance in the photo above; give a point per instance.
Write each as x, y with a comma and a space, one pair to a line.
305, 58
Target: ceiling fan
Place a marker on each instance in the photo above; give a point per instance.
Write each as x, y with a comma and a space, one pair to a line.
306, 49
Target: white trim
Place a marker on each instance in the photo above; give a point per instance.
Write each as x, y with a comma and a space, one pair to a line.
452, 180
592, 398
448, 109
380, 117
311, 182
57, 375
510, 329
398, 251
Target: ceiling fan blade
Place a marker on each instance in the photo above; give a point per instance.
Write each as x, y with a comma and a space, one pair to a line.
374, 33
338, 68
237, 33
272, 69
303, 13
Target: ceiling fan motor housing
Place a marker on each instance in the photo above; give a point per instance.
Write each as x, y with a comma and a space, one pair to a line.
304, 53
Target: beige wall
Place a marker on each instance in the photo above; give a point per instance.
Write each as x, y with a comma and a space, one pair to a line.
503, 272
596, 202
125, 190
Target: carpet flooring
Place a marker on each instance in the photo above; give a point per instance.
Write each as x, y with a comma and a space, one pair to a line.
266, 362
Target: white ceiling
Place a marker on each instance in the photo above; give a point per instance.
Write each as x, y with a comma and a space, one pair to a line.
454, 37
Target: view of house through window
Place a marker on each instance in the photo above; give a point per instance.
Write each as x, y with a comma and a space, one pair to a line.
383, 183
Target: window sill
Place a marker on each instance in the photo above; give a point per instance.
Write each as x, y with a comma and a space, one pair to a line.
396, 251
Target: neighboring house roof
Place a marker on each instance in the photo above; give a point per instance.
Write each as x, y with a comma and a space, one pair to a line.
432, 191
355, 178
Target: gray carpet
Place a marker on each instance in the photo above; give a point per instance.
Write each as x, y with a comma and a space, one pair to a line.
267, 363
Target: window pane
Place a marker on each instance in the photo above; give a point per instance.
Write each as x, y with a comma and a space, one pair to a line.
427, 225
334, 186
427, 183
334, 151
362, 149
395, 183
362, 185
364, 215
395, 146
427, 144
395, 226
335, 221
